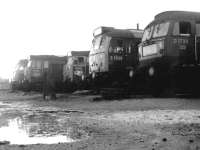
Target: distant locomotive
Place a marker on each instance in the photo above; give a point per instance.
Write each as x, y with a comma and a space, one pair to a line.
169, 55
17, 80
38, 65
18, 75
114, 55
76, 70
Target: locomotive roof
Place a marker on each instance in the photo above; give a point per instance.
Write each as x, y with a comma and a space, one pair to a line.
48, 57
178, 15
78, 53
125, 33
175, 15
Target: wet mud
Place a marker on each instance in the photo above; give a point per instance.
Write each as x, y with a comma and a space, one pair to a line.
75, 122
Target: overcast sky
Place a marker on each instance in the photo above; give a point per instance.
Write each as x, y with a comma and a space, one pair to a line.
57, 26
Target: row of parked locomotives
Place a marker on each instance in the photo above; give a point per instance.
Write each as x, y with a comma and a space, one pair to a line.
50, 72
114, 56
164, 58
169, 54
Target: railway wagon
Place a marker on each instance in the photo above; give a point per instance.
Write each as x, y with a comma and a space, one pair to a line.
76, 70
113, 56
38, 65
169, 54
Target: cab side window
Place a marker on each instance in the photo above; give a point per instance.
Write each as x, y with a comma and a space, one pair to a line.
183, 28
80, 60
75, 61
116, 46
103, 43
198, 29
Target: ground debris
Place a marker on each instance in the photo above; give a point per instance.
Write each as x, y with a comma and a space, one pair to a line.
56, 111
164, 139
191, 141
114, 93
83, 92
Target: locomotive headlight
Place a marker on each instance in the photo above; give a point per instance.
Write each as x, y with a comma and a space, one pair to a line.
131, 73
151, 71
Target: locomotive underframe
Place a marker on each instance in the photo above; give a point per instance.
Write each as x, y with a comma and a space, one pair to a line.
113, 79
168, 74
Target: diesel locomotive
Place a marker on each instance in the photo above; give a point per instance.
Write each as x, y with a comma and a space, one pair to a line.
169, 54
114, 56
38, 66
76, 70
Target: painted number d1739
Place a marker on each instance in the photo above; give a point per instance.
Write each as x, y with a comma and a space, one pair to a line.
180, 41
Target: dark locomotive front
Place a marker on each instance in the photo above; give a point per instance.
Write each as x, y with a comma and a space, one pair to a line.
76, 71
38, 66
114, 56
169, 52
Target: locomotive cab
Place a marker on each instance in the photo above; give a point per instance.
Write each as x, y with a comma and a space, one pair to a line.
170, 45
114, 54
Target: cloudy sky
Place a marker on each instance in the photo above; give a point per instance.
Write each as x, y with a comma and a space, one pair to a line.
57, 26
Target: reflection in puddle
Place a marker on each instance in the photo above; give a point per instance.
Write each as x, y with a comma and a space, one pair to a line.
18, 133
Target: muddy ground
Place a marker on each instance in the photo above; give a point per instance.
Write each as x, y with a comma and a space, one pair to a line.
76, 122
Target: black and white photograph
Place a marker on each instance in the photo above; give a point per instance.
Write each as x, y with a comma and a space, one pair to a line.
99, 75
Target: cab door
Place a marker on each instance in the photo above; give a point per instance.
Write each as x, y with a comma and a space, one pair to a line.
184, 42
197, 43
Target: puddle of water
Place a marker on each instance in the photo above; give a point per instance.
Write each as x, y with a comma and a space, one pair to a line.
18, 133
